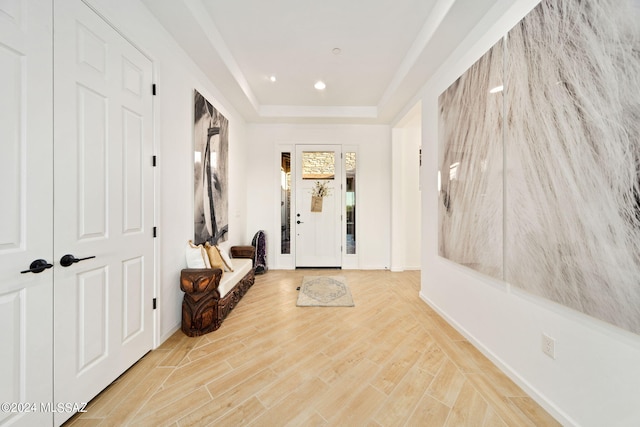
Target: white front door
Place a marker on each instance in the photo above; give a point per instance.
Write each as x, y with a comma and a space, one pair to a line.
318, 231
26, 195
104, 204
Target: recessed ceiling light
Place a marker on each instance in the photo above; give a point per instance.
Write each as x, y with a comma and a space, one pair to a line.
320, 85
336, 51
272, 78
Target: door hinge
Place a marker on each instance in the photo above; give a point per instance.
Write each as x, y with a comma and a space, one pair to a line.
155, 303
153, 89
154, 161
155, 232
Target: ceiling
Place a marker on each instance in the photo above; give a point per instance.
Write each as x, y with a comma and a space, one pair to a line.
388, 49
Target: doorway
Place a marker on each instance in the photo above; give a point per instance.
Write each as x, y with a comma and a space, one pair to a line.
318, 208
406, 200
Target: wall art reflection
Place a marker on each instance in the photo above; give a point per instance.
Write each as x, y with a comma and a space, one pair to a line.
571, 161
211, 141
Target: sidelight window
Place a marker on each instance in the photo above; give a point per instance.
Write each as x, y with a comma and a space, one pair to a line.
285, 203
350, 197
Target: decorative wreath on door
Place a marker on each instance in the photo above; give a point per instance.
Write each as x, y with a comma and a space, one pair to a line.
318, 192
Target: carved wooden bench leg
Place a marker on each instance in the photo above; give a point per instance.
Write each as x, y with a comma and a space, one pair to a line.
202, 308
200, 301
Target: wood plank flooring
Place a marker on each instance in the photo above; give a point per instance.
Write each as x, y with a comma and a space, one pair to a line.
388, 361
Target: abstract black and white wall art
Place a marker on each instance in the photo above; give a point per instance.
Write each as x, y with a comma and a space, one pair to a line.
571, 169
211, 148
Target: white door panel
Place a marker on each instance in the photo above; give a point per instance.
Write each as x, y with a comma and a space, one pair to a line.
26, 234
104, 204
133, 303
318, 234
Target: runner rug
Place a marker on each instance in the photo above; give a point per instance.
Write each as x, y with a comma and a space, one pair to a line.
324, 291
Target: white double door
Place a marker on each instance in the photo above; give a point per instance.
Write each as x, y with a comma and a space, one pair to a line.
76, 162
318, 232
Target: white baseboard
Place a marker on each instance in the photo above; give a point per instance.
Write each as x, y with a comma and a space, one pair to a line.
540, 398
166, 335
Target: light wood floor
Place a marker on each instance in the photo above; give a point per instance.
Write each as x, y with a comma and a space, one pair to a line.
388, 361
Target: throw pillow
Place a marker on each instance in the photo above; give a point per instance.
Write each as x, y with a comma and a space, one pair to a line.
226, 258
215, 259
196, 256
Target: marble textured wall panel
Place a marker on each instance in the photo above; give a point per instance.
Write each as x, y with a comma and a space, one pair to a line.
573, 157
471, 164
571, 160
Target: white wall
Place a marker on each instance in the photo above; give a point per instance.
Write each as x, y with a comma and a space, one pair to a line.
595, 378
373, 172
405, 192
177, 77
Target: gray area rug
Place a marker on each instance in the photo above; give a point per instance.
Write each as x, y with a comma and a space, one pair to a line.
324, 291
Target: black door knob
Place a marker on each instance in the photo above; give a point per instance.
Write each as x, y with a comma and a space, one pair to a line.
299, 222
37, 266
69, 259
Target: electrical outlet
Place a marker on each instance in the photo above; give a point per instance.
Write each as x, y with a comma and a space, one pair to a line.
549, 346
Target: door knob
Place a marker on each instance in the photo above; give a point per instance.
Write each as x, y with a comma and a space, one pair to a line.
299, 222
69, 259
37, 266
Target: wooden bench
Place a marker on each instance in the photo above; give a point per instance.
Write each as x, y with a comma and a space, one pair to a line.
210, 294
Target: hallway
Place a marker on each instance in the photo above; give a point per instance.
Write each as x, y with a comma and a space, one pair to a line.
390, 360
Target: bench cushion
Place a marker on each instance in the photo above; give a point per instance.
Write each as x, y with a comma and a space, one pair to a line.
241, 266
